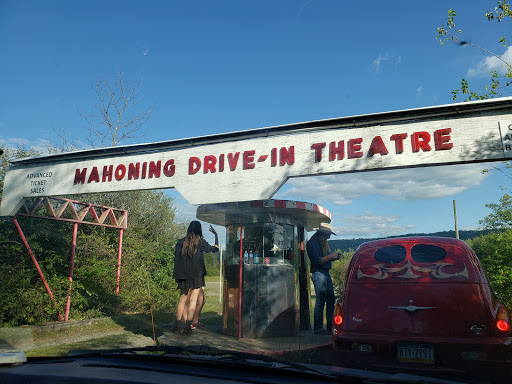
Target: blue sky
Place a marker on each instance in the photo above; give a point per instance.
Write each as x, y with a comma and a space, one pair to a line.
221, 66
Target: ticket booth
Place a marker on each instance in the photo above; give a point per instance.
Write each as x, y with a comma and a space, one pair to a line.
265, 256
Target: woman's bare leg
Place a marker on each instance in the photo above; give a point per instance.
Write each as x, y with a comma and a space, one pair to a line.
194, 293
181, 311
199, 307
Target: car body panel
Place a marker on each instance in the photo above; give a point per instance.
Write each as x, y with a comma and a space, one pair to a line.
423, 297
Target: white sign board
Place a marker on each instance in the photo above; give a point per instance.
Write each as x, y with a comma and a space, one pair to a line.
255, 168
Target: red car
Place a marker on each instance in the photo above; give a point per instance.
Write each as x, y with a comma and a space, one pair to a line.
422, 303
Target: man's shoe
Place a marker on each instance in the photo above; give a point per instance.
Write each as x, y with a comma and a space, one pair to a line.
321, 331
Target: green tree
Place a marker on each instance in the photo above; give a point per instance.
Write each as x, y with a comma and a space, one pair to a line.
501, 216
148, 244
500, 79
495, 253
339, 271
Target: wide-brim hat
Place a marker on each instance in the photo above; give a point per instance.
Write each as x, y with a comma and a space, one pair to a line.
326, 228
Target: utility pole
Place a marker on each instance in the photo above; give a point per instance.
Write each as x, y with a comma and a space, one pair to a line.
455, 217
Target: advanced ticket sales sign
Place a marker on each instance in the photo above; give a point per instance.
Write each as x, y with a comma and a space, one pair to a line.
254, 164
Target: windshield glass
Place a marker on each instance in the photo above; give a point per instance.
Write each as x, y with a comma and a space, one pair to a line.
202, 174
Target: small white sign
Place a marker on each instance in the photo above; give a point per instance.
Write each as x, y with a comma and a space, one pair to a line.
506, 137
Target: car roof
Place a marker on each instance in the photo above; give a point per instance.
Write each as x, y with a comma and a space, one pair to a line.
414, 239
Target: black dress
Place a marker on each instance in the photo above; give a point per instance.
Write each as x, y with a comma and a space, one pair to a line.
189, 271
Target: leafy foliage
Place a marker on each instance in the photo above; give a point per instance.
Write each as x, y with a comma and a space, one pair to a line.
212, 264
449, 33
339, 271
495, 253
501, 216
148, 255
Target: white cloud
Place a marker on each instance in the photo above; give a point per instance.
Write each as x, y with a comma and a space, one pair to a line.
367, 224
378, 62
39, 145
419, 90
411, 184
491, 63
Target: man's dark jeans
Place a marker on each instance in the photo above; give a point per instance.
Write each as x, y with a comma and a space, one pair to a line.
324, 291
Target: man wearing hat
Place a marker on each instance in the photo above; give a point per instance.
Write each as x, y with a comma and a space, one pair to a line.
321, 257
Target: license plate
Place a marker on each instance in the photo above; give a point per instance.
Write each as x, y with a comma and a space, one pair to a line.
415, 353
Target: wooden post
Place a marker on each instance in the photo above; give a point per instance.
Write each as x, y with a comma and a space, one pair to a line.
455, 217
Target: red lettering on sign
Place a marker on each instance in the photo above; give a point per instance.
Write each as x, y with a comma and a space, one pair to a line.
155, 169
209, 164
107, 173
377, 146
133, 171
233, 160
273, 157
144, 167
248, 159
287, 156
420, 140
317, 147
354, 148
120, 172
221, 163
194, 165
262, 158
399, 142
80, 176
169, 168
442, 138
337, 152
94, 176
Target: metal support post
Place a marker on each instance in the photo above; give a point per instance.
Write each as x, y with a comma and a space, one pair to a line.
72, 268
119, 264
240, 280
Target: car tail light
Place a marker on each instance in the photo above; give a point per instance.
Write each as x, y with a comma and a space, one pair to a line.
503, 325
338, 318
503, 320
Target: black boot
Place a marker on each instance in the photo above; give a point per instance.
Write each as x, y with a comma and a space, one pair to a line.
188, 328
175, 326
181, 326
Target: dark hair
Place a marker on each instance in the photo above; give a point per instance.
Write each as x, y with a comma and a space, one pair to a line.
321, 237
195, 227
194, 235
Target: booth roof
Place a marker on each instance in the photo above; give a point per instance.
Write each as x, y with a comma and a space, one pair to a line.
311, 215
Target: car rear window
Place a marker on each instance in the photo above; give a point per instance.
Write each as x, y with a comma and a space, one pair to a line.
427, 253
390, 255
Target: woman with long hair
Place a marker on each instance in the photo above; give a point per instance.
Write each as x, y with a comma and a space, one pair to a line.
189, 272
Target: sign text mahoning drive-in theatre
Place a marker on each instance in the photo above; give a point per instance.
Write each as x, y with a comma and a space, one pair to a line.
254, 164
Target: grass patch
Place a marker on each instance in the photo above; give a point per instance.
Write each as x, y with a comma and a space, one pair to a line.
43, 335
211, 306
106, 342
211, 279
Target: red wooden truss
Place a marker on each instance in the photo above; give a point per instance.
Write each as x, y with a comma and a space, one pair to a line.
58, 208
